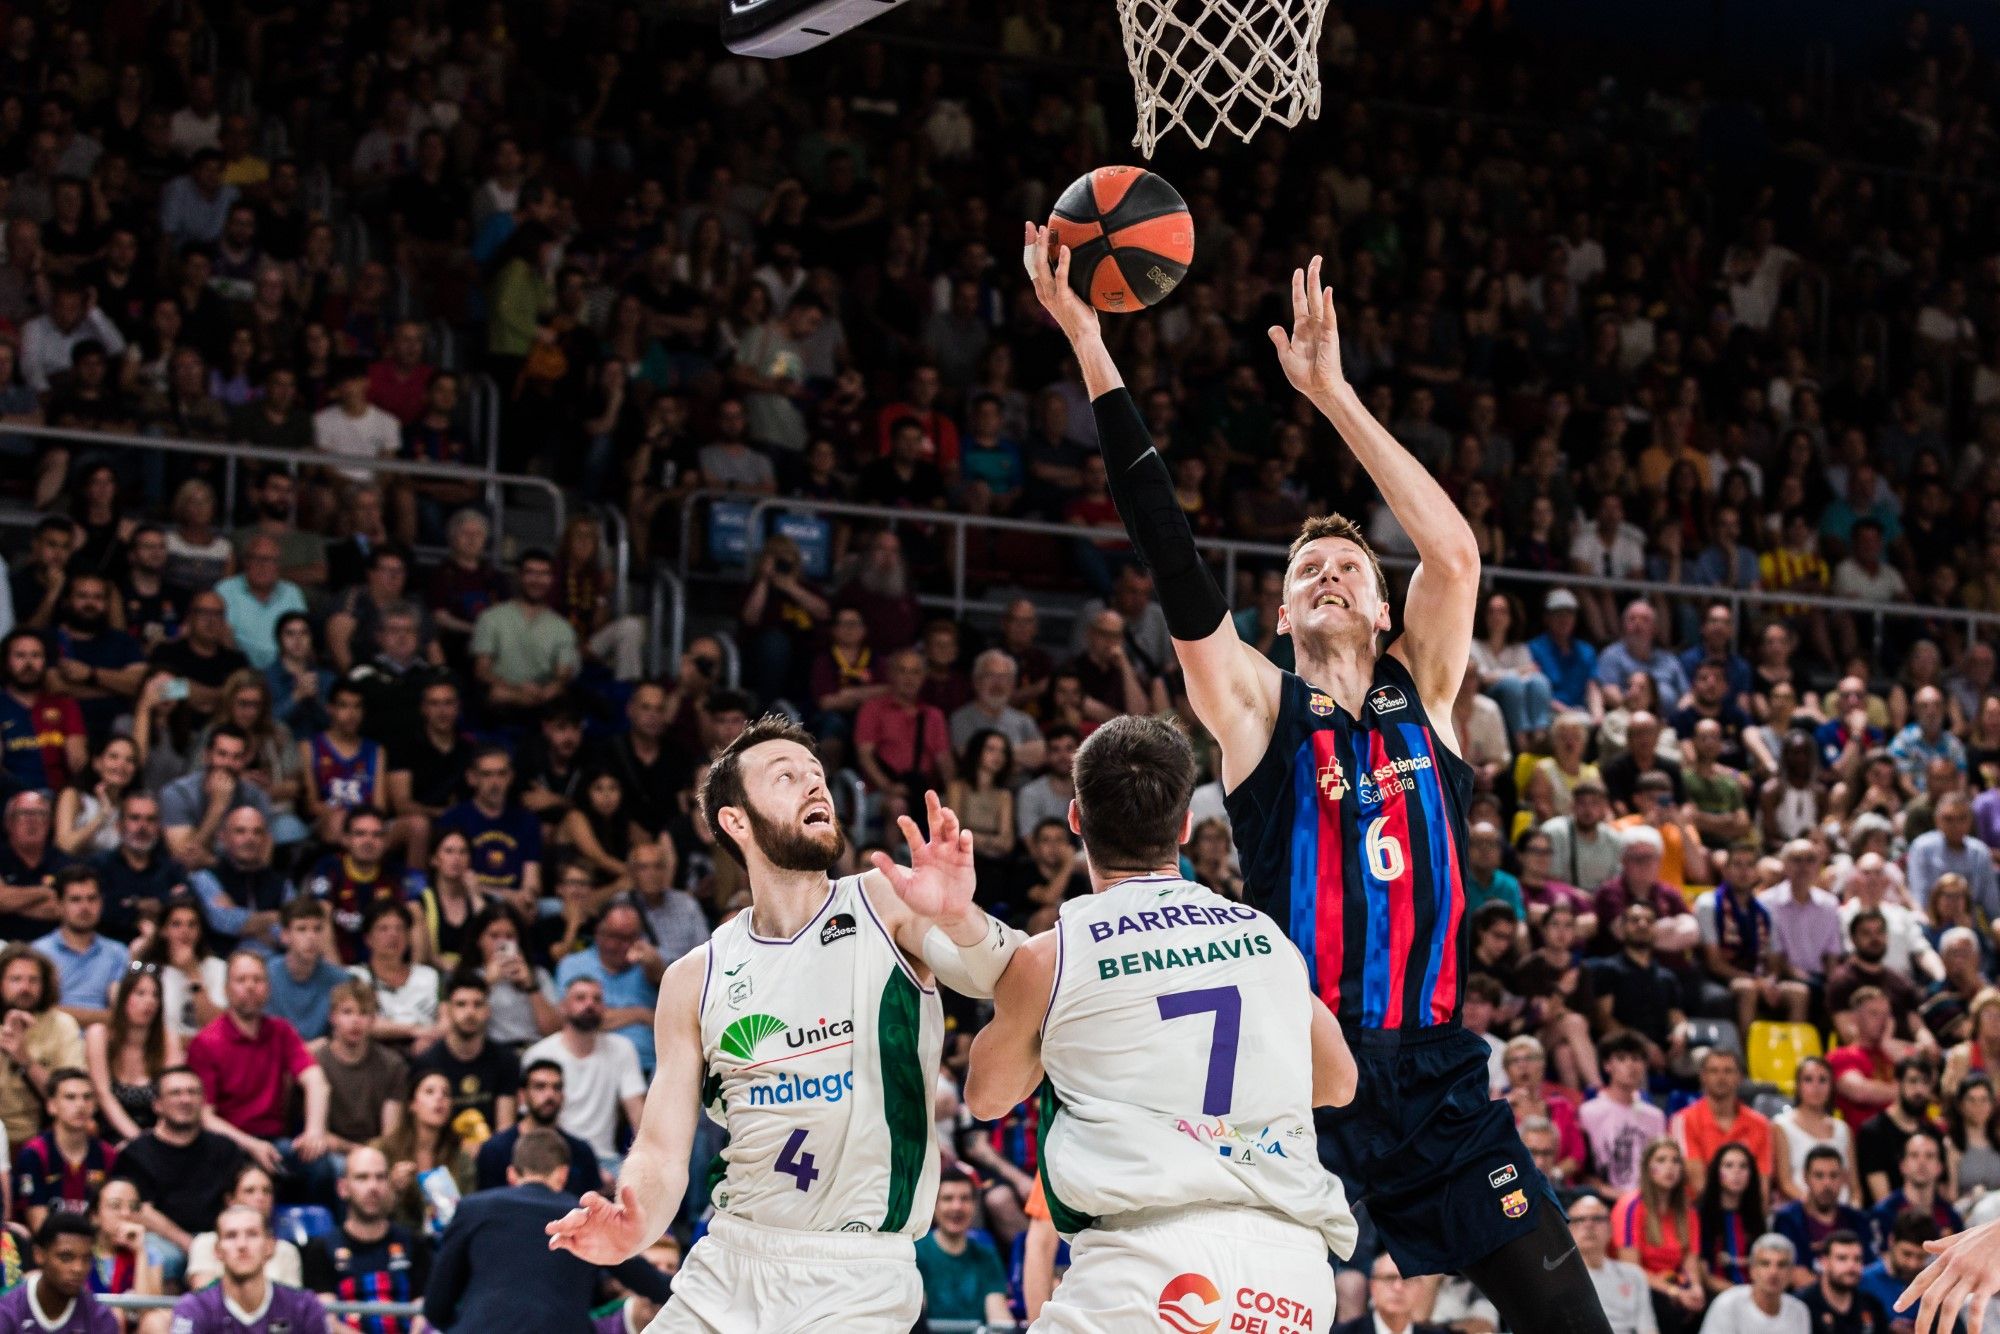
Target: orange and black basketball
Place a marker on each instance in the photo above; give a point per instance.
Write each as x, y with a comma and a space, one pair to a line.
1129, 234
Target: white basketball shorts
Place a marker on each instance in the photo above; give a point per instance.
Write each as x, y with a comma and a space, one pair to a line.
745, 1279
1193, 1271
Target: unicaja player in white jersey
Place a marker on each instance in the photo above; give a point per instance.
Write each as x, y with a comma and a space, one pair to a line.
1179, 1051
810, 1028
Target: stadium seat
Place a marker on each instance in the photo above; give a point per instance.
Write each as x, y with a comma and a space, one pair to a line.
1775, 1052
300, 1223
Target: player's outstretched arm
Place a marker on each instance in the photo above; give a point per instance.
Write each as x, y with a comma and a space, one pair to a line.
927, 906
1006, 1064
1334, 1072
1965, 1274
1436, 643
1233, 688
654, 1175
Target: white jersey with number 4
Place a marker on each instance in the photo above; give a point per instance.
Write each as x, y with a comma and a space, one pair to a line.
1178, 1055
821, 1055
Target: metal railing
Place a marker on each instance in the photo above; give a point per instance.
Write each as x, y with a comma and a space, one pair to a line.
297, 460
132, 1301
1232, 551
667, 635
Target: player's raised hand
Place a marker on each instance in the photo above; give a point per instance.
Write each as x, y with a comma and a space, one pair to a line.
600, 1231
1048, 264
939, 881
1310, 354
1966, 1273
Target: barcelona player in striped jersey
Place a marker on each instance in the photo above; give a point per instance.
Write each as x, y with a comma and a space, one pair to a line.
1347, 798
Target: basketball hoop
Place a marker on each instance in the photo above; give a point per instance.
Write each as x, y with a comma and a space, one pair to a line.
1207, 65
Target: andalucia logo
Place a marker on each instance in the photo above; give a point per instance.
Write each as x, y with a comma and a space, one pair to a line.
740, 1039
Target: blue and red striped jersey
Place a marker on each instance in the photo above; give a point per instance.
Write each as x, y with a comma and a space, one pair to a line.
1351, 832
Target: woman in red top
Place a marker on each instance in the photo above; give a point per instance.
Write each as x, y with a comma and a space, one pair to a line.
1655, 1227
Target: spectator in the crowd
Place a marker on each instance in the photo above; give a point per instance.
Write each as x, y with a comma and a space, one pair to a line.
1637, 994
192, 809
1638, 650
56, 1169
1811, 1123
249, 1187
1764, 1302
1736, 944
366, 1081
405, 992
1900, 1260
495, 1268
351, 879
541, 1110
1655, 1228
903, 746
95, 663
56, 1295
127, 1053
42, 741
302, 977
242, 892
524, 654
1865, 966
244, 1245
962, 1274
505, 837
370, 1257
139, 873
1621, 1288
425, 1139
673, 922
182, 1170
1730, 1211
1835, 1300
1584, 849
994, 681
251, 1062
1951, 848
256, 599
1805, 919
36, 1038
1879, 1143
1619, 1123
484, 1080
1718, 1117
88, 965
1906, 951
1638, 881
1920, 1187
343, 770
601, 1075
1811, 1223
1392, 1303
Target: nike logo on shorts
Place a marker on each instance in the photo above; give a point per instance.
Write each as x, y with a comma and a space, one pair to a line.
1551, 1266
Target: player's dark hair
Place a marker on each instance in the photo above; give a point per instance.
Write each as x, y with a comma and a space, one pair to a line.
724, 784
1134, 778
62, 1223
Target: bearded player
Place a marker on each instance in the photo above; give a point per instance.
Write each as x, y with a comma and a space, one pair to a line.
1347, 798
1184, 1052
809, 1028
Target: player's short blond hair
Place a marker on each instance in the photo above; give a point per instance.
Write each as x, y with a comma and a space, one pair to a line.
1338, 525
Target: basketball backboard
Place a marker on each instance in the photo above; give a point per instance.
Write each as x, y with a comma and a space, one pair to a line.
775, 28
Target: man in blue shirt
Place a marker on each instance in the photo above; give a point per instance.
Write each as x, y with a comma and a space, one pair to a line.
88, 965
1718, 644
1568, 662
1639, 651
629, 969
1903, 1258
138, 870
1809, 1223
98, 665
303, 978
506, 837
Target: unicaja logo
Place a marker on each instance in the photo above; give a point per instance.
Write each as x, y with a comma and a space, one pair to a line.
1191, 1304
740, 1039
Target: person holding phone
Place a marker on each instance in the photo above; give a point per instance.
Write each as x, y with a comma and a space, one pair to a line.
782, 617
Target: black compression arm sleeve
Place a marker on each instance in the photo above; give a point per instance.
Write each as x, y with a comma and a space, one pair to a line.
1144, 494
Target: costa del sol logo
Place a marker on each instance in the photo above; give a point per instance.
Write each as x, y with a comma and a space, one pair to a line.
1191, 1304
741, 1038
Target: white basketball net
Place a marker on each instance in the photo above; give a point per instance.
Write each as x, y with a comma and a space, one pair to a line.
1206, 65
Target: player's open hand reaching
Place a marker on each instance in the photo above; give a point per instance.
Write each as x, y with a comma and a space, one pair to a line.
1310, 354
939, 881
1048, 264
601, 1231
